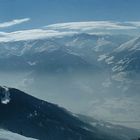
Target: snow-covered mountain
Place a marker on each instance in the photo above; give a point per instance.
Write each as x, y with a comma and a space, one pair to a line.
129, 55
44, 55
72, 52
125, 59
130, 45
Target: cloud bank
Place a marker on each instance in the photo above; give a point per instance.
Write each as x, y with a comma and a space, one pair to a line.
31, 35
91, 25
63, 29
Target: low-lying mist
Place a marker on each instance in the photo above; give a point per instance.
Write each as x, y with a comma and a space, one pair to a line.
89, 93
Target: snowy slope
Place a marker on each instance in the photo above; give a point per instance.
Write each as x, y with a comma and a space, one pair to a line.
124, 59
131, 45
7, 135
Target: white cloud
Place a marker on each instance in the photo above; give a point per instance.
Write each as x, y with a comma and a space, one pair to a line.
61, 29
91, 25
31, 34
13, 22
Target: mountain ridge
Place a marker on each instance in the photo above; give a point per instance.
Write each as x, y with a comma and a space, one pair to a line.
35, 118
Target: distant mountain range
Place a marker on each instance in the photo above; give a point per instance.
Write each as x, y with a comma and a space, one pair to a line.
60, 54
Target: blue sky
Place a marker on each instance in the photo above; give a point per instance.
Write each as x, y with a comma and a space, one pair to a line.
44, 12
33, 19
